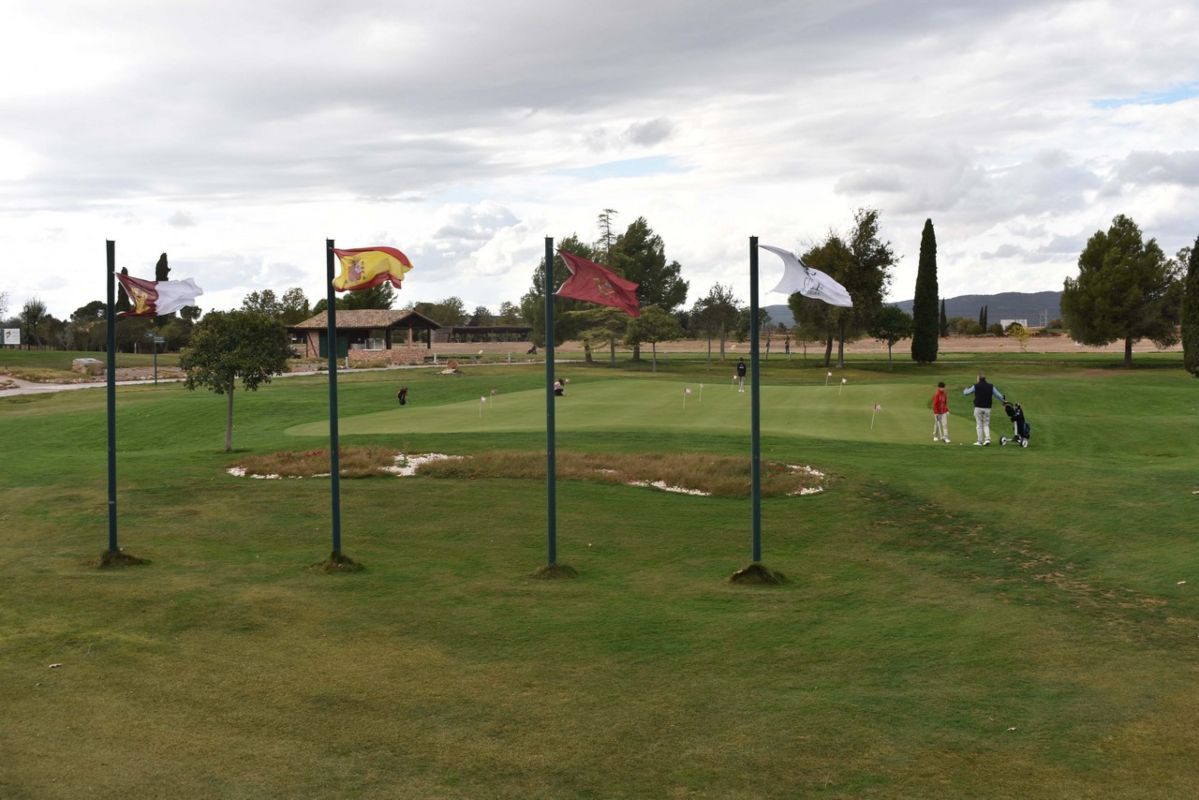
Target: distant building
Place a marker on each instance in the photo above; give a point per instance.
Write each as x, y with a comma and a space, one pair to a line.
367, 330
1004, 323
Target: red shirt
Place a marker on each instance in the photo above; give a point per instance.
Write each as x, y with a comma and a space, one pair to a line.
940, 402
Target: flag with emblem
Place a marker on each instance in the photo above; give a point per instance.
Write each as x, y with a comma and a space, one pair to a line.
368, 267
595, 283
155, 298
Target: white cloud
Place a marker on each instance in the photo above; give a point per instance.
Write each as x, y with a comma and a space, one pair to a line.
237, 137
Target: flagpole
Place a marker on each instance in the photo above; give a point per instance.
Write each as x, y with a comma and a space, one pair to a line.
755, 413
551, 504
111, 391
334, 454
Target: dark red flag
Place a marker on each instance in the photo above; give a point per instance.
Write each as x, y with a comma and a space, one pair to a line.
597, 284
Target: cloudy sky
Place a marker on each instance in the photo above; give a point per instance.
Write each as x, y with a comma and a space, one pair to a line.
237, 136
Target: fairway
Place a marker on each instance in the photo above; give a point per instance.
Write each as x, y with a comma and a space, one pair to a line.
960, 621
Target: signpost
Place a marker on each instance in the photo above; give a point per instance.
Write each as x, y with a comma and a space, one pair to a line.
12, 337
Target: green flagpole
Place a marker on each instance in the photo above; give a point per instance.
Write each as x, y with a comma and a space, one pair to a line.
755, 404
111, 391
334, 454
550, 470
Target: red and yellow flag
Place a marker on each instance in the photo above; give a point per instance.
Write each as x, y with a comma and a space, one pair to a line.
367, 267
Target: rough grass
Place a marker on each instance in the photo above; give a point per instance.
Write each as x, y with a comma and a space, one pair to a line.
354, 462
720, 476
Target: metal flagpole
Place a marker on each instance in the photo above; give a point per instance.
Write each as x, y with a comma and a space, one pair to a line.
111, 371
755, 404
550, 469
334, 455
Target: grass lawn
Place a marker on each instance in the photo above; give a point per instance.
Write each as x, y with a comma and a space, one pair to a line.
961, 622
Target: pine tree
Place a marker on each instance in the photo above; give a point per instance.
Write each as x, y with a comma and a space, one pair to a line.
925, 322
1190, 313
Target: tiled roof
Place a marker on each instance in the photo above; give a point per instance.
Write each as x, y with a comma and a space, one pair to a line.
367, 318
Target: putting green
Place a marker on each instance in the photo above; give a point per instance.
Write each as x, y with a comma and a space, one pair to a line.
832, 412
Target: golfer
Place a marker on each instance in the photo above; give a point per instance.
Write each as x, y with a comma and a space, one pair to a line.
984, 394
741, 374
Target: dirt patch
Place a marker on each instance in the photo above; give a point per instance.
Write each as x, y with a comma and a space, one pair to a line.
758, 575
555, 572
115, 559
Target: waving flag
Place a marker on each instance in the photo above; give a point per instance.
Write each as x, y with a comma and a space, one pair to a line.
597, 284
799, 277
155, 298
367, 267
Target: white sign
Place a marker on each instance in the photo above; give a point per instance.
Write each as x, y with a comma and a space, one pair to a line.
12, 336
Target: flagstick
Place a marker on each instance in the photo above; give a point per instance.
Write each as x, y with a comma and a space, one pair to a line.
334, 455
872, 415
701, 392
111, 391
826, 377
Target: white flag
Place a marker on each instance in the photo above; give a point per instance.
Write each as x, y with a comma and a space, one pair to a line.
799, 277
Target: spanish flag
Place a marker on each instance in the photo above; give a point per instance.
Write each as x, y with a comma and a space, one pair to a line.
367, 267
155, 298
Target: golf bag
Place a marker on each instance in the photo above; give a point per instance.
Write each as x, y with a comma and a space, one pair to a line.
1020, 427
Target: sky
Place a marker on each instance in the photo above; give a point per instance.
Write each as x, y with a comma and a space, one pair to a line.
238, 136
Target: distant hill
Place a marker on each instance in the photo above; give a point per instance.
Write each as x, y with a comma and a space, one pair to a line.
1005, 305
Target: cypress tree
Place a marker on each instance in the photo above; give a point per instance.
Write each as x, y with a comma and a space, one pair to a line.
944, 322
982, 317
924, 308
1190, 314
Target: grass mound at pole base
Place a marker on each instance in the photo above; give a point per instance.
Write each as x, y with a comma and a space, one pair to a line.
337, 562
111, 559
757, 574
551, 572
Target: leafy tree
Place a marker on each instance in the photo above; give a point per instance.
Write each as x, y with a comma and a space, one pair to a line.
925, 321
597, 323
716, 312
639, 255
482, 316
1190, 309
509, 314
231, 345
944, 322
890, 325
87, 326
190, 313
653, 326
263, 302
293, 306
861, 264
448, 312
1125, 288
380, 297
33, 317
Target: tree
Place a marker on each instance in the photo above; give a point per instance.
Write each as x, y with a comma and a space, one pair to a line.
716, 312
1125, 289
190, 313
1190, 310
861, 264
606, 236
653, 326
447, 313
294, 307
944, 322
33, 315
639, 255
263, 302
161, 270
925, 319
890, 325
509, 314
597, 323
122, 303
231, 345
87, 328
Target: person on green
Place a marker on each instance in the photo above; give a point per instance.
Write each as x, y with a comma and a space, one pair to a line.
984, 395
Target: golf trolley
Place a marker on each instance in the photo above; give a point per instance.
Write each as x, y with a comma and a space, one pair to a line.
1020, 427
